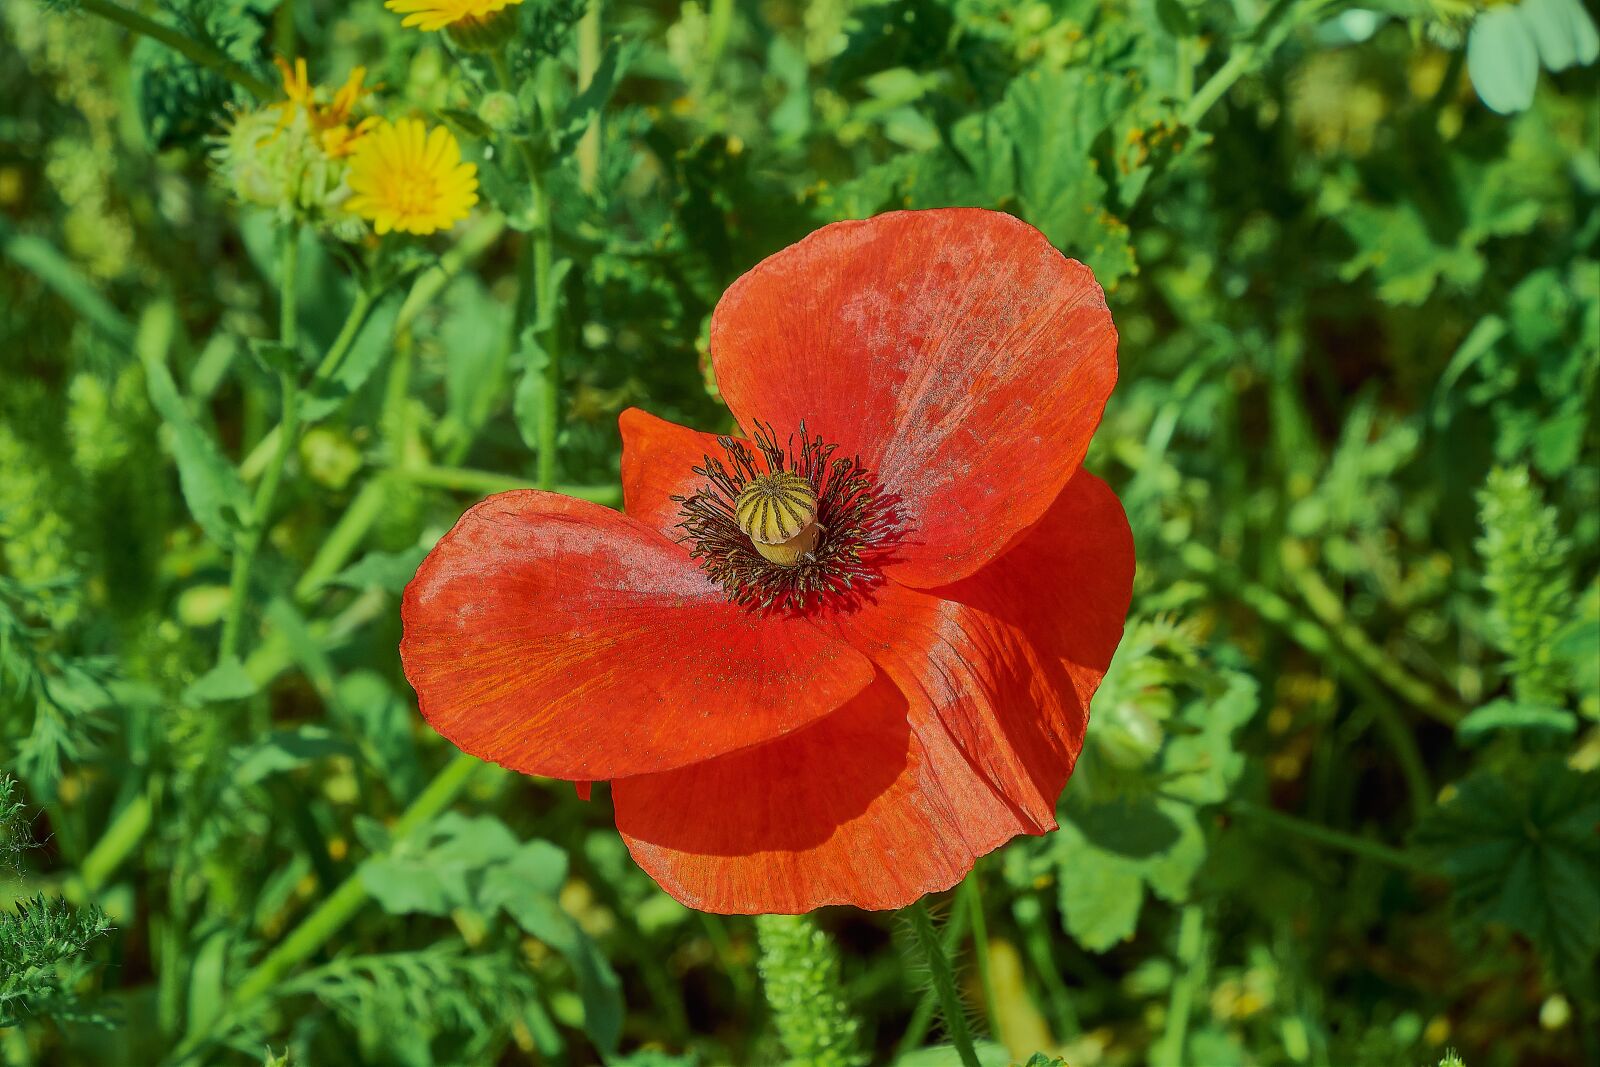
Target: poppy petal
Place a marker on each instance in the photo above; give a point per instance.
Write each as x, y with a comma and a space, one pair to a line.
1008, 659
955, 351
1066, 583
557, 637
962, 743
658, 461
863, 807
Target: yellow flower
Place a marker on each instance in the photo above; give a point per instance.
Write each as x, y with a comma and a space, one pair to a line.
408, 178
330, 121
430, 15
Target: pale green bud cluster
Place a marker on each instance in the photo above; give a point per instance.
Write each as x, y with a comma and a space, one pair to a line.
275, 158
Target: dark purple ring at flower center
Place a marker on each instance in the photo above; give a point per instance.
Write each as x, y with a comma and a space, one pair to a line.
854, 520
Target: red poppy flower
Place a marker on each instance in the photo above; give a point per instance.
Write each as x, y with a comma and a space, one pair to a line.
841, 657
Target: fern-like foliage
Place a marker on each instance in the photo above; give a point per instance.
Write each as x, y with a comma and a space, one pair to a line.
800, 972
1525, 570
50, 699
42, 941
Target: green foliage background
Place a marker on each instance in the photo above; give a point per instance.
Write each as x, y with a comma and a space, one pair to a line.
1339, 803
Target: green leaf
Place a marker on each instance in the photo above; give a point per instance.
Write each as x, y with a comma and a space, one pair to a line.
1523, 851
389, 571
1102, 889
1562, 31
1052, 122
228, 680
990, 1054
1503, 60
367, 353
433, 872
212, 488
284, 750
208, 980
526, 887
1201, 766
475, 336
581, 110
274, 357
1509, 715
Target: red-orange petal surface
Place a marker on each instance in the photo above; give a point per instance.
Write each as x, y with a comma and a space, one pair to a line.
896, 794
864, 807
557, 637
1008, 659
963, 358
658, 462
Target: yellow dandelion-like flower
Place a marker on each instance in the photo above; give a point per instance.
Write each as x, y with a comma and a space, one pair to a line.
431, 15
406, 177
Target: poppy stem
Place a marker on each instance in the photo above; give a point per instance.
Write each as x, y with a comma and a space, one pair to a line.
943, 976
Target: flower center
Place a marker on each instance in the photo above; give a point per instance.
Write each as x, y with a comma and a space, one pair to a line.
785, 526
778, 512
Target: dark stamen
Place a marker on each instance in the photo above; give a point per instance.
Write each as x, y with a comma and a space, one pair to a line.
851, 515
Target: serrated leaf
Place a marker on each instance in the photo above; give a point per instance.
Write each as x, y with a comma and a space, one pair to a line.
1102, 889
1100, 896
1523, 851
1052, 121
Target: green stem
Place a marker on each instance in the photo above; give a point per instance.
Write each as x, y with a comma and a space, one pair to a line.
346, 535
1329, 610
1259, 43
943, 976
186, 46
485, 482
1324, 835
270, 444
544, 306
340, 906
266, 493
587, 153
120, 839
1186, 985
970, 895
922, 1016
57, 272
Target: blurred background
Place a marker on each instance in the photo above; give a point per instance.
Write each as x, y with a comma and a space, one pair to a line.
1339, 802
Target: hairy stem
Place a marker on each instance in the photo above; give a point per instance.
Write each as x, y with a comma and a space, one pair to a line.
943, 976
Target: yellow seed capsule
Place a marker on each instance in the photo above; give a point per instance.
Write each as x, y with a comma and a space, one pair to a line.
778, 512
